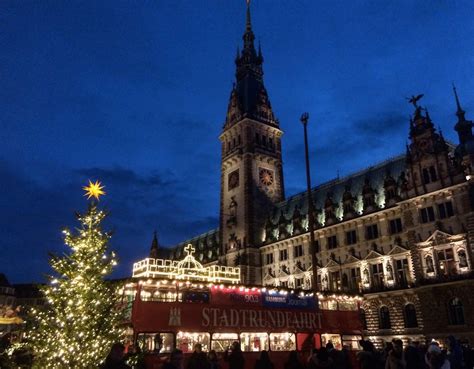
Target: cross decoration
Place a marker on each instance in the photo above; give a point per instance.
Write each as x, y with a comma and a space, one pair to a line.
189, 249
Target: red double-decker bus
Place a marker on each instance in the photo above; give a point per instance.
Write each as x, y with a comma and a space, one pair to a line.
176, 304
176, 314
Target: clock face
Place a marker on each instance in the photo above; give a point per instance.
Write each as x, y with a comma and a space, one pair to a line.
233, 180
266, 177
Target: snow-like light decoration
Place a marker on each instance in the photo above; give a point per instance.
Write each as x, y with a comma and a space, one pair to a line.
187, 269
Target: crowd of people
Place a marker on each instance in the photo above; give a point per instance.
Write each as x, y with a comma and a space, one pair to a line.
394, 355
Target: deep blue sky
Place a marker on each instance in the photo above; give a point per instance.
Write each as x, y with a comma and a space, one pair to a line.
135, 93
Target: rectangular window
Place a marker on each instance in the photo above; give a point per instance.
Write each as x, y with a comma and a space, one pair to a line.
147, 342
427, 214
316, 245
351, 237
185, 341
298, 282
264, 140
222, 341
335, 281
429, 175
332, 242
257, 138
355, 279
270, 142
269, 258
395, 226
445, 210
282, 341
402, 271
377, 275
283, 255
372, 232
298, 251
254, 342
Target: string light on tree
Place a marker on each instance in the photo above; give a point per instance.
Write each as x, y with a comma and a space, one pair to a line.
81, 319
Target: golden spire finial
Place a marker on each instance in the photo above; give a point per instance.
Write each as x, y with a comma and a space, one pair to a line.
94, 190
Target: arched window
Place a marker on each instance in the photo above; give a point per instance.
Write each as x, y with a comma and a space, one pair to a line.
384, 318
409, 313
455, 312
363, 319
429, 264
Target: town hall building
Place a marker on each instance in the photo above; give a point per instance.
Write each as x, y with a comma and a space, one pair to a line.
400, 233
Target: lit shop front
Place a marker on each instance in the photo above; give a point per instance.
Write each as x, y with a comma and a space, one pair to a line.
180, 310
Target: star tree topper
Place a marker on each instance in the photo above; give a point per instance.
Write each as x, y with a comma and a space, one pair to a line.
94, 190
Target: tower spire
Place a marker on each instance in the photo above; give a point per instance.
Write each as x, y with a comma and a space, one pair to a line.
248, 23
154, 246
459, 112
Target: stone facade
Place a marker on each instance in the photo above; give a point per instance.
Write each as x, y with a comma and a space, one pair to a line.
401, 232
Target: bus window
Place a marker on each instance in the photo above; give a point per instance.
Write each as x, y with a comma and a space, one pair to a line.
282, 341
331, 337
254, 341
328, 304
185, 341
348, 306
351, 342
222, 341
156, 342
307, 341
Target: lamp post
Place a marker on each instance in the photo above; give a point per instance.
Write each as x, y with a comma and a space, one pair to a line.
312, 244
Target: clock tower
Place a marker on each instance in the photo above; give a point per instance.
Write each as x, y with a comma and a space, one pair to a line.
251, 166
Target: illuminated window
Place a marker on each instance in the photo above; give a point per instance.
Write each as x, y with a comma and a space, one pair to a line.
254, 342
185, 341
156, 342
328, 304
222, 341
351, 342
335, 339
282, 341
348, 306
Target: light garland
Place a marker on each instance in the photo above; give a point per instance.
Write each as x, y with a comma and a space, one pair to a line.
81, 319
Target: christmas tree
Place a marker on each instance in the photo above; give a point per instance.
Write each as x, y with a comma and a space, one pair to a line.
81, 318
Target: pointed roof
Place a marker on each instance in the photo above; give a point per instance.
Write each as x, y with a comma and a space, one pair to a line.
154, 247
249, 97
463, 127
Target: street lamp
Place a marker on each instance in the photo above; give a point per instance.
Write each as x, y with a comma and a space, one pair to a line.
312, 244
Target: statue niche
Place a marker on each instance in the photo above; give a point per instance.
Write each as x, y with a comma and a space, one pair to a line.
232, 220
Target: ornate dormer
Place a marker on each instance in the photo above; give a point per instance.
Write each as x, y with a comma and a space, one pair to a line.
368, 196
269, 227
329, 210
282, 227
297, 220
430, 167
348, 202
390, 188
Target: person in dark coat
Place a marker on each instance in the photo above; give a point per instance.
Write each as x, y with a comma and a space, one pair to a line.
235, 358
116, 358
198, 359
293, 361
213, 360
454, 354
175, 361
264, 362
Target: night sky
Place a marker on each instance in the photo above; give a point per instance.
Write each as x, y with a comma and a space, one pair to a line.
135, 94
